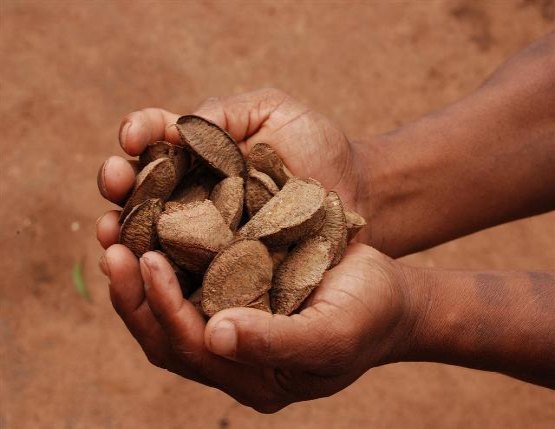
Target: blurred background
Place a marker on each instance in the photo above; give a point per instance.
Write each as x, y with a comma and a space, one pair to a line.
71, 69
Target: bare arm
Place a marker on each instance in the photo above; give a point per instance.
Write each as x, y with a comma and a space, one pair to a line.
485, 160
495, 321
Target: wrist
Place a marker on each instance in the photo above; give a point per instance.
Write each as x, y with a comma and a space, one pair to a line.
405, 303
416, 296
484, 320
393, 194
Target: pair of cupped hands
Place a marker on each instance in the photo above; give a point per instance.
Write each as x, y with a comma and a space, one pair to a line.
355, 320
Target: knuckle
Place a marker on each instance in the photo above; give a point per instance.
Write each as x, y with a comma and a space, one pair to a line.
151, 111
269, 98
273, 92
273, 341
152, 116
213, 99
210, 101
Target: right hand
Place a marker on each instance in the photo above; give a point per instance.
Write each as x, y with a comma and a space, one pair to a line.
359, 317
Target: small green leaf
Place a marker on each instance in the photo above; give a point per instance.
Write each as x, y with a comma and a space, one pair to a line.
79, 282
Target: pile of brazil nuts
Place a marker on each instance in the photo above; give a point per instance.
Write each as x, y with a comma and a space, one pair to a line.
237, 232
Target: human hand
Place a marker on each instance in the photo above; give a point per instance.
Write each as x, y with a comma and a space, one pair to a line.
309, 144
311, 147
356, 319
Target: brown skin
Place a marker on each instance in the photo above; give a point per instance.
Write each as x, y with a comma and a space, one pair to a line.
485, 160
494, 321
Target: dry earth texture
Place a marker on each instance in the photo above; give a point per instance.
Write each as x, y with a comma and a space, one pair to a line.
71, 69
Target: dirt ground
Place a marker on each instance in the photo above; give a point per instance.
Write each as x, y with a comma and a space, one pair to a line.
71, 70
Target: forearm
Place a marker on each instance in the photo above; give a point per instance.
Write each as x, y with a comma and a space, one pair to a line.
485, 160
495, 321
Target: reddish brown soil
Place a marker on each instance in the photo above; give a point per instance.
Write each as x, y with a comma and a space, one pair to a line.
70, 70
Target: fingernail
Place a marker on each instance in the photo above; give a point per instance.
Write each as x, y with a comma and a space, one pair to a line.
102, 179
223, 340
145, 265
104, 267
98, 220
123, 133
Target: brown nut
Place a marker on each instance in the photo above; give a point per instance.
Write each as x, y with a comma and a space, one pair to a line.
138, 231
240, 274
195, 186
263, 158
278, 255
260, 189
197, 235
193, 234
161, 149
228, 197
261, 303
156, 180
335, 226
299, 274
213, 144
355, 223
295, 212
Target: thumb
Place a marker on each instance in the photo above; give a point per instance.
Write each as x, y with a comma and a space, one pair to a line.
262, 339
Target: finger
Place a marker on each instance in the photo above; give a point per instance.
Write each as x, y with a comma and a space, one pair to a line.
178, 317
147, 126
260, 338
107, 228
128, 299
116, 178
242, 115
185, 328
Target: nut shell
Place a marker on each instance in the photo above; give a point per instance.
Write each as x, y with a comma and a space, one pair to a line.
239, 275
263, 158
260, 189
295, 212
261, 303
335, 226
156, 180
138, 231
162, 149
228, 197
299, 274
193, 234
355, 223
213, 144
